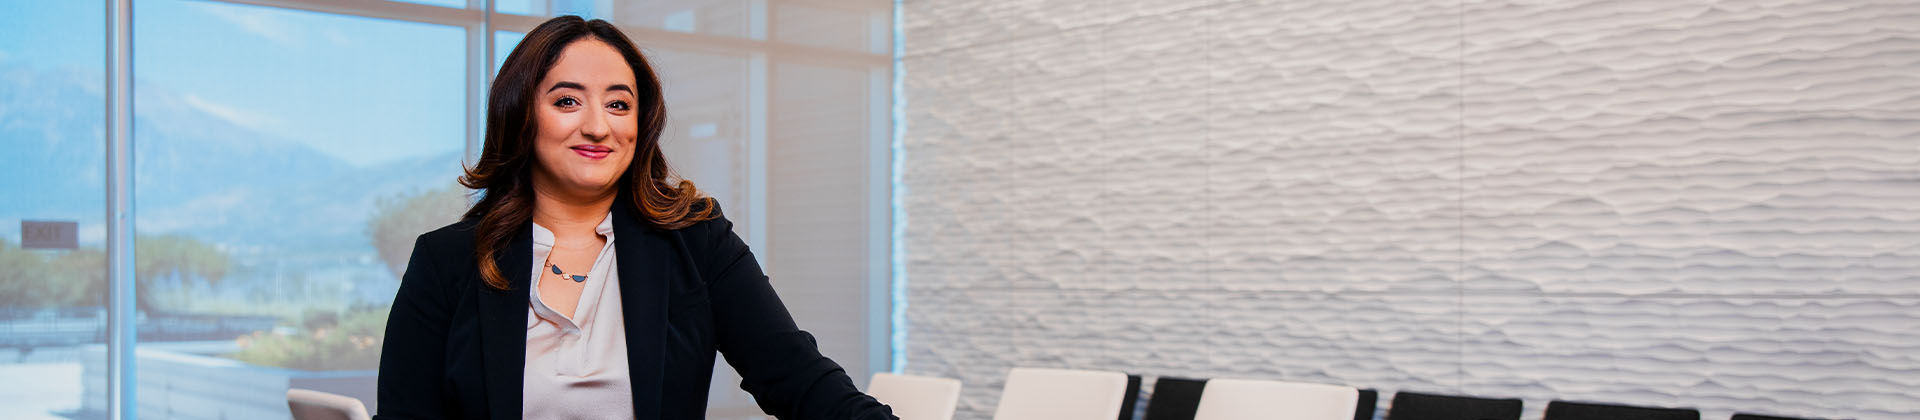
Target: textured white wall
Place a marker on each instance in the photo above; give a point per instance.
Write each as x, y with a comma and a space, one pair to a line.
1710, 204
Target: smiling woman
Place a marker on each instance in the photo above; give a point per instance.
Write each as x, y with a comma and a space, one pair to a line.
535, 102
589, 280
297, 148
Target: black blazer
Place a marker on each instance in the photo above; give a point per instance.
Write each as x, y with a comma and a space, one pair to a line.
456, 348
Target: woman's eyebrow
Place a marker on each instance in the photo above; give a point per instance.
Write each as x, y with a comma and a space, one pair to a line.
577, 86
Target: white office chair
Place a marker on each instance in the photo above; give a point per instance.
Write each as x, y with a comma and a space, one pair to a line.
1059, 394
916, 397
1248, 399
308, 404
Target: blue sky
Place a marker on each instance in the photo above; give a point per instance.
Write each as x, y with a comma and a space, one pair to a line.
363, 90
59, 34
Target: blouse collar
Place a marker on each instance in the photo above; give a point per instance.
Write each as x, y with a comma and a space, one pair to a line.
544, 237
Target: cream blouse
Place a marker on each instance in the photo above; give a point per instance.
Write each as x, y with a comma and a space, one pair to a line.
577, 367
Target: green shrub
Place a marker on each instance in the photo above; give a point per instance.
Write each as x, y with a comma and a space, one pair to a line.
351, 344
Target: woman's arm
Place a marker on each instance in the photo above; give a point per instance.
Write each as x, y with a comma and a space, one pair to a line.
780, 364
413, 354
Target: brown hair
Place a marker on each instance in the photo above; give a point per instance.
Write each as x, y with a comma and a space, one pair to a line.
504, 173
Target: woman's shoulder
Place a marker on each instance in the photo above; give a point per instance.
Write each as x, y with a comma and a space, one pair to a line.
716, 223
712, 237
711, 245
453, 242
460, 232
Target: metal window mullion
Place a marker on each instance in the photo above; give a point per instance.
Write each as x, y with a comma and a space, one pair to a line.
757, 117
879, 212
122, 318
486, 37
758, 41
479, 76
896, 197
378, 9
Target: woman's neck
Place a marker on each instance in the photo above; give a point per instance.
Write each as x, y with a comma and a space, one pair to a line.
570, 214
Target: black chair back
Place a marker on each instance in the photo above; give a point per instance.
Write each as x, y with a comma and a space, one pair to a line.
1565, 410
1133, 394
1418, 406
1363, 409
1175, 398
1744, 416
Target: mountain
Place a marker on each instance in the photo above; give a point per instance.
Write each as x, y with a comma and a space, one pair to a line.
195, 173
51, 149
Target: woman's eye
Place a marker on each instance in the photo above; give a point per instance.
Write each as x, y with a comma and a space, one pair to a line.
565, 102
618, 105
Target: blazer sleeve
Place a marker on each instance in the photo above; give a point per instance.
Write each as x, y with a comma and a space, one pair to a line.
778, 363
412, 355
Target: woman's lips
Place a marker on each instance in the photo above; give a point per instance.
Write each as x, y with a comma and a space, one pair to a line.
592, 151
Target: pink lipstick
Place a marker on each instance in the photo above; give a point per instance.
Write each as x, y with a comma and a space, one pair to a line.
591, 151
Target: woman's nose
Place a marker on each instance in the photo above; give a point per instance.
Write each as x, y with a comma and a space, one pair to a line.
596, 126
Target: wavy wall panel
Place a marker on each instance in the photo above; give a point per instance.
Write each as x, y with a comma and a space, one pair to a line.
1712, 204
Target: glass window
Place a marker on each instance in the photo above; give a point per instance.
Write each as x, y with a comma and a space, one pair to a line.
820, 230
53, 217
286, 160
732, 18
586, 8
706, 138
850, 26
518, 7
503, 43
458, 4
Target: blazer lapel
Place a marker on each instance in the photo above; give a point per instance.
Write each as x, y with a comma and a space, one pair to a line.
503, 328
644, 256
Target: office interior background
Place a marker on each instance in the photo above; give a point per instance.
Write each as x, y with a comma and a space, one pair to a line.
1691, 203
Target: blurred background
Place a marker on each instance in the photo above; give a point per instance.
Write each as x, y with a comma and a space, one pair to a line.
1711, 204
1688, 203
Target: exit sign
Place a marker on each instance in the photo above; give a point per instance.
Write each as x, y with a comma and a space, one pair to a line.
38, 234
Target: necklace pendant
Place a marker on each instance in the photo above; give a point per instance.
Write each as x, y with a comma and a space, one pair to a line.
575, 277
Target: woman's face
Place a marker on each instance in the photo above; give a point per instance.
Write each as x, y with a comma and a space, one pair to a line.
585, 123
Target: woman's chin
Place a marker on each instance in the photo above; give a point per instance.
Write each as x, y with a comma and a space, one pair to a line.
588, 186
579, 180
598, 186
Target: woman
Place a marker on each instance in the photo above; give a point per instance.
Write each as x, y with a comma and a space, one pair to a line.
586, 284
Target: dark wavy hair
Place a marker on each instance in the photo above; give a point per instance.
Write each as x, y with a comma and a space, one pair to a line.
504, 173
